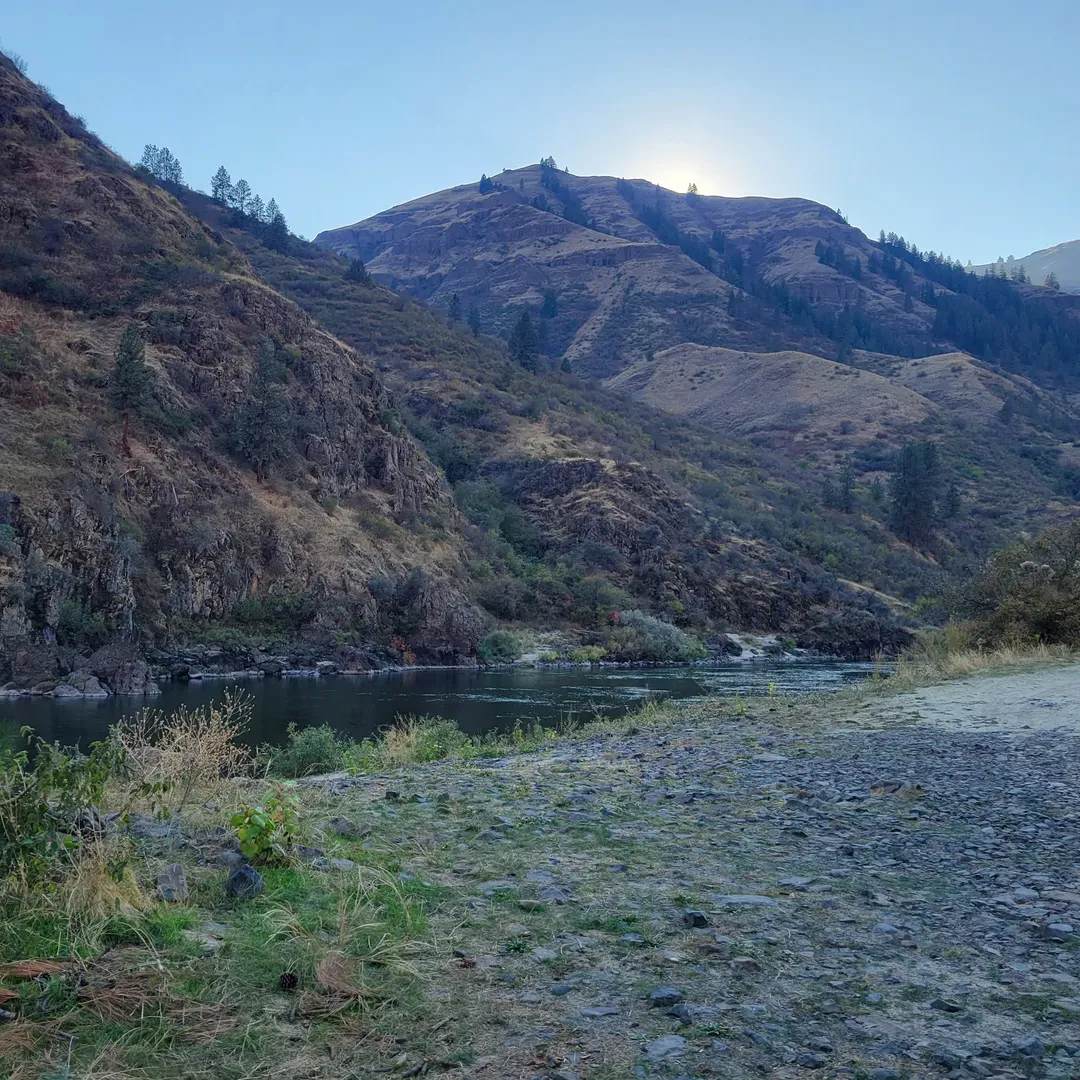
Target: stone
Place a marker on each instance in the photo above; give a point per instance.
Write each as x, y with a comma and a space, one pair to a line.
945, 1006
81, 684
343, 865
172, 884
746, 901
554, 894
695, 918
808, 1060
348, 828
598, 1011
665, 1048
1057, 931
543, 955
744, 963
664, 997
563, 1074
35, 664
884, 1074
231, 858
209, 945
245, 882
632, 939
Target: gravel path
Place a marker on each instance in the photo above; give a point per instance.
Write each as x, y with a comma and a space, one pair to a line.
885, 893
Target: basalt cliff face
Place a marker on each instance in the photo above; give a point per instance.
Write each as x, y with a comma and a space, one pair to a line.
120, 522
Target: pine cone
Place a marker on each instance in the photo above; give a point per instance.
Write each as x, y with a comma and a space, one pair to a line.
288, 981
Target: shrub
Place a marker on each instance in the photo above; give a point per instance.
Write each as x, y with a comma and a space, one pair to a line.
499, 647
267, 833
188, 749
41, 805
1027, 591
637, 636
76, 625
309, 751
409, 740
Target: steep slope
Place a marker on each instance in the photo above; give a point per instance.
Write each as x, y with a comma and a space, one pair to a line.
578, 491
128, 521
1062, 260
634, 278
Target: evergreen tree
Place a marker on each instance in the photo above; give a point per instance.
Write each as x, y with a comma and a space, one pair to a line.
1052, 282
357, 272
262, 427
952, 503
221, 185
129, 383
691, 188
876, 491
162, 164
256, 210
550, 307
486, 184
474, 320
242, 196
277, 230
454, 311
149, 159
914, 492
524, 343
845, 488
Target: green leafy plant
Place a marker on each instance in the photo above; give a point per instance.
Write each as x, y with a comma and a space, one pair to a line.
48, 796
309, 751
267, 833
499, 647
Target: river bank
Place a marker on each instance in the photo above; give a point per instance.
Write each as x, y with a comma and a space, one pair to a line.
854, 887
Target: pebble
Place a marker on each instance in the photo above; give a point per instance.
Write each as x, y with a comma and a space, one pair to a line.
666, 1048
664, 996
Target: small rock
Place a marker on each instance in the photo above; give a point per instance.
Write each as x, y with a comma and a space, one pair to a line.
884, 1074
530, 905
665, 1048
597, 1012
1057, 931
348, 828
562, 989
544, 956
811, 1061
945, 1006
693, 917
632, 939
231, 858
744, 963
563, 1074
245, 882
172, 883
746, 901
664, 996
555, 894
342, 864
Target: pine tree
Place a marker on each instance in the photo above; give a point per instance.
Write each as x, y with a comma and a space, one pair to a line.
454, 311
1052, 282
262, 427
914, 492
277, 230
358, 272
474, 320
221, 185
149, 159
256, 210
129, 383
524, 344
845, 488
486, 184
242, 196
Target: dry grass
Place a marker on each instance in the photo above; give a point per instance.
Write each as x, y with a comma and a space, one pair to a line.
100, 884
189, 750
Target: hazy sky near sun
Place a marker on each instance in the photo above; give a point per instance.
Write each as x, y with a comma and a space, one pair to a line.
953, 122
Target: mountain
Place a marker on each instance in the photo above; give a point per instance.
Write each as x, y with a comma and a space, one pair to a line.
1062, 260
136, 521
208, 437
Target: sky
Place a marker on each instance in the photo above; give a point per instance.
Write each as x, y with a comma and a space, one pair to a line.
953, 123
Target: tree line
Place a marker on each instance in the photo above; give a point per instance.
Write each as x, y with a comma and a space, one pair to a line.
250, 210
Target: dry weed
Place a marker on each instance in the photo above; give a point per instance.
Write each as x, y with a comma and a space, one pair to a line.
189, 749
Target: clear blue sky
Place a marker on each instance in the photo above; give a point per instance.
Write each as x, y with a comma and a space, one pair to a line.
952, 122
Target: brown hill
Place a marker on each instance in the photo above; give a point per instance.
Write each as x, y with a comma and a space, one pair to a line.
623, 288
118, 525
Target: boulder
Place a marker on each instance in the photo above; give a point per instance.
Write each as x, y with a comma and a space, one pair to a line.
245, 882
123, 670
32, 665
81, 684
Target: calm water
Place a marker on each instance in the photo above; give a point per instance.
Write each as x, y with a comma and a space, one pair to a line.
478, 700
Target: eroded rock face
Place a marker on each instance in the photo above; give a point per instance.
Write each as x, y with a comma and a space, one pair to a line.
123, 670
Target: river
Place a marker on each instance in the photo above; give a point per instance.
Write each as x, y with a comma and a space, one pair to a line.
477, 699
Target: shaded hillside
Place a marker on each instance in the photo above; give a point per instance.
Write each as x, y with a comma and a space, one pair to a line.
128, 517
694, 523
1061, 260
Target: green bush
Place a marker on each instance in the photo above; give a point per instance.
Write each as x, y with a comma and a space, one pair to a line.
40, 803
499, 647
1028, 591
78, 626
309, 751
637, 636
267, 833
